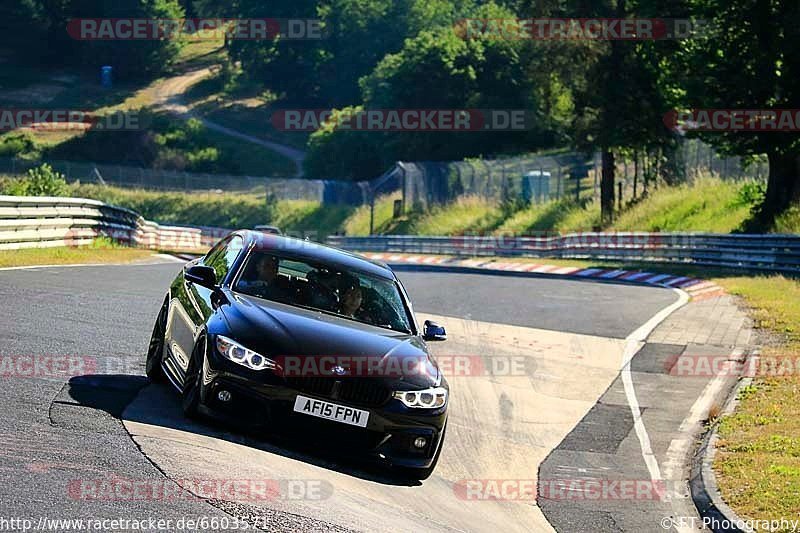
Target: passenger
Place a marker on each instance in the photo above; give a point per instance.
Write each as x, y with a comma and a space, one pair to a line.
350, 297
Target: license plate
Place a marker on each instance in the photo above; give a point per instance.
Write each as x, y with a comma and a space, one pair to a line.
331, 411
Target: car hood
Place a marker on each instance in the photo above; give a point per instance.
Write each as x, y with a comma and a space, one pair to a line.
286, 333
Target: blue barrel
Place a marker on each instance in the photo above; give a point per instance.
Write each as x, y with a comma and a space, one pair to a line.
105, 76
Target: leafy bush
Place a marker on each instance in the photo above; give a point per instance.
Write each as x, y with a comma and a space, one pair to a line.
752, 193
40, 181
19, 144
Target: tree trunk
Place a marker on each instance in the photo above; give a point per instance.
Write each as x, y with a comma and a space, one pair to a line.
607, 188
783, 186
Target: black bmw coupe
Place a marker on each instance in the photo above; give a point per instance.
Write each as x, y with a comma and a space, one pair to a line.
289, 335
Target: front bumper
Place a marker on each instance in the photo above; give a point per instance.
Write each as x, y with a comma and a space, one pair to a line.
264, 401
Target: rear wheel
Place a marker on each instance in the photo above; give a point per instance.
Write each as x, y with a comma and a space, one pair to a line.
190, 396
155, 351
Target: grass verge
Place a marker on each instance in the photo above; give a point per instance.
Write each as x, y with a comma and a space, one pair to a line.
225, 210
758, 455
101, 251
708, 205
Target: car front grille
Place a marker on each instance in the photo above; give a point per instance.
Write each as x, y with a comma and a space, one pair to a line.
361, 391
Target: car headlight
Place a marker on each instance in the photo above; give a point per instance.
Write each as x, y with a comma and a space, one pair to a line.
423, 399
239, 354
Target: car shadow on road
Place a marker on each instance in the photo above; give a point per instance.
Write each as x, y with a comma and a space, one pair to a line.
135, 399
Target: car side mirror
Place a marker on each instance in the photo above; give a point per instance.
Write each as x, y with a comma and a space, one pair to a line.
433, 332
202, 275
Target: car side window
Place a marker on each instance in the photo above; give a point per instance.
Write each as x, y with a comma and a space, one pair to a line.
221, 260
215, 251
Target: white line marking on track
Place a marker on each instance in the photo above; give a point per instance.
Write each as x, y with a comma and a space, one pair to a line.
679, 448
633, 343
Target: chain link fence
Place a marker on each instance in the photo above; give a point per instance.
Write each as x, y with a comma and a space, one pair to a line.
327, 191
530, 178
533, 178
542, 178
638, 172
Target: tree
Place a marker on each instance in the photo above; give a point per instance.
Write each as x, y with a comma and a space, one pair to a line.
130, 58
747, 59
628, 91
344, 154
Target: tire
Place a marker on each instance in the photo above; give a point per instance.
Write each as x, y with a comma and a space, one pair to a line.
155, 351
190, 396
424, 473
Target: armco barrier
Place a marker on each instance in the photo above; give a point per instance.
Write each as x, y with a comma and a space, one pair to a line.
40, 222
780, 253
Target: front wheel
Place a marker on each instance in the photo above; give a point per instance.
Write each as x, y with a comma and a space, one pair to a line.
155, 351
190, 396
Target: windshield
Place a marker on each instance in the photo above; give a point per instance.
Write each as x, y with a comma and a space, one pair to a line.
348, 294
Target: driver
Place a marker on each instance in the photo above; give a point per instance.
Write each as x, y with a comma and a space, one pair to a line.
261, 278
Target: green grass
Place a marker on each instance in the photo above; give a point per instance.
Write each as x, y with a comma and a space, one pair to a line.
226, 97
467, 214
250, 159
165, 142
225, 210
312, 219
708, 205
199, 50
101, 251
788, 222
357, 224
758, 458
557, 215
203, 209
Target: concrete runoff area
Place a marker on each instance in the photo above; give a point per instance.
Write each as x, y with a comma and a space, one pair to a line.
568, 406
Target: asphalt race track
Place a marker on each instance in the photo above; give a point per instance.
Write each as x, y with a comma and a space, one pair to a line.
65, 434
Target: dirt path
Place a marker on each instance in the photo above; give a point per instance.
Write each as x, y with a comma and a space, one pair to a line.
168, 95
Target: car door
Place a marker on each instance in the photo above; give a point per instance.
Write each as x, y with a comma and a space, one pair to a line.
191, 305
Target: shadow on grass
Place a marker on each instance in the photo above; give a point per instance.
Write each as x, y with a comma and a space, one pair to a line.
318, 222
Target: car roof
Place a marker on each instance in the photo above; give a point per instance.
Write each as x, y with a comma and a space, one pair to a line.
315, 252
